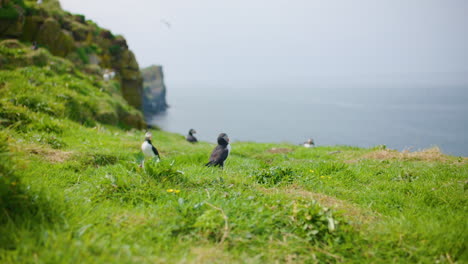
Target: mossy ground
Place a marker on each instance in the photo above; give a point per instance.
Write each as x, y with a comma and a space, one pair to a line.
72, 190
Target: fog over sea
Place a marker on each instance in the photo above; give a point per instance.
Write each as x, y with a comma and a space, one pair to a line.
413, 115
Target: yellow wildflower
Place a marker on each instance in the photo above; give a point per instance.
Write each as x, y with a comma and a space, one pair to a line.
312, 171
170, 190
322, 177
177, 191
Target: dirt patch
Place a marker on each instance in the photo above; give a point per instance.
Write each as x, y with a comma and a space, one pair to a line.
208, 255
127, 219
430, 155
279, 150
357, 216
51, 155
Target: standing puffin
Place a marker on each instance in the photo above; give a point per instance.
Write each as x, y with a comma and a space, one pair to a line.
147, 147
309, 143
221, 152
190, 137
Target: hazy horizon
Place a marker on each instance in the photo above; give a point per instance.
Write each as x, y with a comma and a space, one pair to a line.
276, 40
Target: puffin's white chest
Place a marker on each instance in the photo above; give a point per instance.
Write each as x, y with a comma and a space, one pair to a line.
307, 145
147, 149
229, 148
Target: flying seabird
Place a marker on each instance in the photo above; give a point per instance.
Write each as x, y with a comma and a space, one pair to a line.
309, 143
165, 22
221, 152
147, 147
190, 137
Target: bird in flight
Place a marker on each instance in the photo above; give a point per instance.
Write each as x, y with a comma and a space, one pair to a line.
166, 23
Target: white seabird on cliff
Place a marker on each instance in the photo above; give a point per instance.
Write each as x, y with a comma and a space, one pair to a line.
309, 143
147, 147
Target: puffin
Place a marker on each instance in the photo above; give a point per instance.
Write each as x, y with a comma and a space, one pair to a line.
220, 152
147, 147
309, 143
190, 137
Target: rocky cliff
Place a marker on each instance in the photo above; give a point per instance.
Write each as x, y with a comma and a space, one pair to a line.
91, 48
154, 91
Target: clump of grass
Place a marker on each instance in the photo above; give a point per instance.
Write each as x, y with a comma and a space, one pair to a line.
37, 103
210, 224
163, 172
51, 140
333, 169
47, 125
274, 176
13, 116
98, 159
407, 176
314, 223
330, 168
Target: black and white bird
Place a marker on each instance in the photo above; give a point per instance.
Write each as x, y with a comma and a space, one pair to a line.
309, 143
147, 147
221, 152
190, 137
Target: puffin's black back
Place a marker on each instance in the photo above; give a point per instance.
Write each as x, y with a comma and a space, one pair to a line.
218, 156
220, 152
155, 151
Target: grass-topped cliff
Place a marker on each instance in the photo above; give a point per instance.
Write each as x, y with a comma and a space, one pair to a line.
37, 88
72, 190
89, 47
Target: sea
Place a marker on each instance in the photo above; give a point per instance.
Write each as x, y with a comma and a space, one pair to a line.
403, 116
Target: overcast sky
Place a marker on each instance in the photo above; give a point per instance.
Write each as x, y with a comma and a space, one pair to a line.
277, 40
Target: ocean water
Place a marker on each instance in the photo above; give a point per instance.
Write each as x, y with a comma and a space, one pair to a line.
400, 117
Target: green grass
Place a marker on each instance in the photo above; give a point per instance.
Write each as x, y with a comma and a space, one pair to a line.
72, 190
89, 201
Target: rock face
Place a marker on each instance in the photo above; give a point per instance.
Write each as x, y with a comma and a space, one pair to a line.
154, 91
74, 38
58, 41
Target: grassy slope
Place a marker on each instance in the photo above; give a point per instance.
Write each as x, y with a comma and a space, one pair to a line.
53, 89
94, 204
77, 194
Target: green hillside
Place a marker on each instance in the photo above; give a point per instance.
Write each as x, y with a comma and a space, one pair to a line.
92, 49
78, 195
72, 188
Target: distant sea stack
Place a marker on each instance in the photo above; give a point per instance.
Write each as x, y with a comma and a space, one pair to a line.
154, 91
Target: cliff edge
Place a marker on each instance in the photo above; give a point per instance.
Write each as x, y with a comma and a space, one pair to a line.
92, 49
